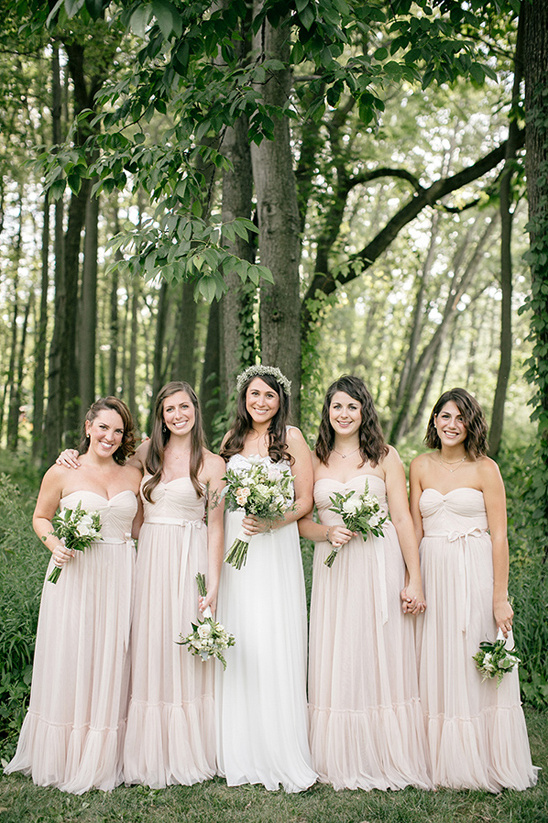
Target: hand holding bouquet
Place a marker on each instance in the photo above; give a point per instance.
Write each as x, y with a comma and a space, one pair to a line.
260, 489
207, 638
360, 513
78, 529
494, 659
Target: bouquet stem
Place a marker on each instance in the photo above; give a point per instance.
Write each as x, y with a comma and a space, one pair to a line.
55, 575
330, 559
237, 555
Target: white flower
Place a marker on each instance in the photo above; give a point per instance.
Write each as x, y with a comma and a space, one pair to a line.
374, 520
351, 505
204, 630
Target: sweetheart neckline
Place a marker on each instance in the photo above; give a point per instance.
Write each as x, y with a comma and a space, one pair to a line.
345, 483
459, 488
90, 491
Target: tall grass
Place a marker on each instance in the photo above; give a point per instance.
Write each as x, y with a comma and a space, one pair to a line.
22, 567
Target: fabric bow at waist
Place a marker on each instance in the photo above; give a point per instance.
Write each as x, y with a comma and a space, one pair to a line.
174, 521
462, 538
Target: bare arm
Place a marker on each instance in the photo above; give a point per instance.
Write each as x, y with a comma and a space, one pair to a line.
47, 504
415, 491
396, 489
495, 504
214, 469
318, 532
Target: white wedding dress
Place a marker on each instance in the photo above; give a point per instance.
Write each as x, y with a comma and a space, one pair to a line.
262, 723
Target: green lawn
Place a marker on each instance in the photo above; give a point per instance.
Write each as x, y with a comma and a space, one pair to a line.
213, 802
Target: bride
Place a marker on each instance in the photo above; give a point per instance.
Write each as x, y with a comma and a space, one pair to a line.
262, 719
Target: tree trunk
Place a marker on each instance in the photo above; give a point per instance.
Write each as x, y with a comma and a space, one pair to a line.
56, 377
506, 217
535, 71
209, 391
16, 395
185, 334
40, 346
88, 320
278, 213
237, 329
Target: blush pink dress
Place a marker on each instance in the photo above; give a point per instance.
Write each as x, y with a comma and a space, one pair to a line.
367, 730
73, 734
476, 732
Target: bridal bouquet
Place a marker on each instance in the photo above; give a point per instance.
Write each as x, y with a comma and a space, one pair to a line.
207, 638
494, 659
78, 529
360, 513
261, 489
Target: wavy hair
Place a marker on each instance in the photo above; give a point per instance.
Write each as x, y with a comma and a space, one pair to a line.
127, 446
473, 417
243, 423
160, 437
372, 443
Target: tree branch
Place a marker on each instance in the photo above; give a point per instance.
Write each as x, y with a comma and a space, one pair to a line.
327, 282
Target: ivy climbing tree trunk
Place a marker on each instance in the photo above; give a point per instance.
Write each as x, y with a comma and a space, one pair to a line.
535, 72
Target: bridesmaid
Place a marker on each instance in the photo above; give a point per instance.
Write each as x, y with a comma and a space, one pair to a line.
476, 732
366, 723
262, 721
72, 736
171, 728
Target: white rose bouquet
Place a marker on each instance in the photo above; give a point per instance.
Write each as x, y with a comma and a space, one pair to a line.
494, 659
360, 513
260, 489
78, 529
207, 638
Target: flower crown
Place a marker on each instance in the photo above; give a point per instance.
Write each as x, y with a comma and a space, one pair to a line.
258, 371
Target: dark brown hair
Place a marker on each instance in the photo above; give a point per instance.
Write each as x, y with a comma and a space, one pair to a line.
160, 435
372, 443
473, 418
243, 423
127, 446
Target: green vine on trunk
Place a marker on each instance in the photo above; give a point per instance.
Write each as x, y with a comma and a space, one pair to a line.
537, 305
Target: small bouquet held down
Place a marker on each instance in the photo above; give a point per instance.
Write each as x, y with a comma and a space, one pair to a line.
260, 489
207, 638
494, 659
78, 529
360, 513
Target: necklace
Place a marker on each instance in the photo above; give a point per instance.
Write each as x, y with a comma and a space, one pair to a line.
456, 463
344, 456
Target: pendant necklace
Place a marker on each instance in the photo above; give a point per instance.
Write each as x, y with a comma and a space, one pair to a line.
456, 463
344, 456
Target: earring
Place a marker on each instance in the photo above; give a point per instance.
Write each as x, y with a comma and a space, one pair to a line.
164, 428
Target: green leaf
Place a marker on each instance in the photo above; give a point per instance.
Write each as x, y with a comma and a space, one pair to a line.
168, 17
307, 17
477, 72
140, 19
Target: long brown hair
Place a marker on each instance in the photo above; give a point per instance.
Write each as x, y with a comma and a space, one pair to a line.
243, 423
160, 436
473, 418
372, 443
127, 446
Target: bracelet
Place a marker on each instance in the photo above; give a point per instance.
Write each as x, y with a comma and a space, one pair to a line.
327, 535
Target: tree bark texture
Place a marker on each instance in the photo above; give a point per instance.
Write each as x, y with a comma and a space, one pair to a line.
278, 213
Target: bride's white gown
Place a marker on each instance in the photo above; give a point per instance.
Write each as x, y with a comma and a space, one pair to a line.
262, 723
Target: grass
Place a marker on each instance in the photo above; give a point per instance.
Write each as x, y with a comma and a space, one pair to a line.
214, 802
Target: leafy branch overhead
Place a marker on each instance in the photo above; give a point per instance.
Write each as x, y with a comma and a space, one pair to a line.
159, 123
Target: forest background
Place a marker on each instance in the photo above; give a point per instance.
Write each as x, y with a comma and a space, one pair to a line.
330, 186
